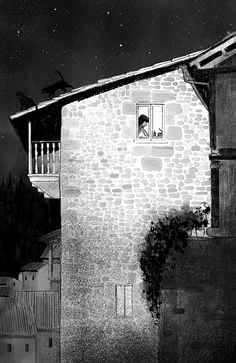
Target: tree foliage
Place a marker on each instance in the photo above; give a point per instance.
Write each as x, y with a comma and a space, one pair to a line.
24, 216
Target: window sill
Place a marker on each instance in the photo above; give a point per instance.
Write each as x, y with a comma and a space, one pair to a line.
156, 142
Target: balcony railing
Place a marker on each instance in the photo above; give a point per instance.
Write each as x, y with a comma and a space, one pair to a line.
44, 157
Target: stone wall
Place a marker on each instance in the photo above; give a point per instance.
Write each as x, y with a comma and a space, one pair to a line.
112, 186
198, 310
48, 351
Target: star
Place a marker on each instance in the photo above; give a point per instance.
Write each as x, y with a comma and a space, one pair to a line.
55, 9
108, 12
18, 32
54, 30
121, 45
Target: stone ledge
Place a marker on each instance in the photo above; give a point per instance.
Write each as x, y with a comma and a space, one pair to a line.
219, 232
48, 184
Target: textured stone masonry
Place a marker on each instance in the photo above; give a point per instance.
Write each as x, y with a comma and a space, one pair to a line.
112, 186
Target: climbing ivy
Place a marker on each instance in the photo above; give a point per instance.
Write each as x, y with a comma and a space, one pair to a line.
169, 234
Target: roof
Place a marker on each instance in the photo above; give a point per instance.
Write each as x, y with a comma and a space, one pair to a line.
5, 291
32, 266
225, 47
52, 237
45, 306
110, 83
56, 251
216, 54
53, 240
5, 279
16, 319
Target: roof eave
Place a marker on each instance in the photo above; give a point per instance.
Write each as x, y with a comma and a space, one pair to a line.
108, 84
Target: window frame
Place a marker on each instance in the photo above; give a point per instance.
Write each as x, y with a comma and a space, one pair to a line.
50, 342
123, 289
150, 139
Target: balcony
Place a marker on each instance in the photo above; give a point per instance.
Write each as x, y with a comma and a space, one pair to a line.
44, 166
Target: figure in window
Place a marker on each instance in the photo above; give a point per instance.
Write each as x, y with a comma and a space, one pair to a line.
143, 121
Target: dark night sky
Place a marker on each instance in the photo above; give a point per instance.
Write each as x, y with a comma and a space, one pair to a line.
92, 39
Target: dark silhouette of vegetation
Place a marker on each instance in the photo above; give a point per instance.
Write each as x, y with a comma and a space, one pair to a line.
165, 237
25, 215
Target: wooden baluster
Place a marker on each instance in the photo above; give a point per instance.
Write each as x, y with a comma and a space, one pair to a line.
48, 159
36, 157
42, 165
53, 158
59, 157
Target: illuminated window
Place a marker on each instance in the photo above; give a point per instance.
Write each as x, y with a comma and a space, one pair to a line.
150, 124
124, 300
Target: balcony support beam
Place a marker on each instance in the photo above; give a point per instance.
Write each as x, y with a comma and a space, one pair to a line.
29, 148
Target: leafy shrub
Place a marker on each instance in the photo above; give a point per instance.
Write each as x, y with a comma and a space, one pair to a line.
169, 234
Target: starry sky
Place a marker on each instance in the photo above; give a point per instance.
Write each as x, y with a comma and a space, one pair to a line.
87, 40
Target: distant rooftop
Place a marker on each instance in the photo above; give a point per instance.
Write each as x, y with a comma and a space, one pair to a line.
45, 306
5, 291
56, 251
52, 237
16, 319
32, 266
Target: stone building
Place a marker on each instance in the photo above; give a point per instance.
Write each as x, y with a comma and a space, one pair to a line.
17, 334
46, 311
130, 148
52, 256
44, 274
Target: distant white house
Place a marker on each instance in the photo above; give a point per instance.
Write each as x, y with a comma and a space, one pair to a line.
46, 309
17, 334
45, 274
34, 276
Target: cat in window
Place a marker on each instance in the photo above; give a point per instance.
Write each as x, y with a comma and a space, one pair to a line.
60, 85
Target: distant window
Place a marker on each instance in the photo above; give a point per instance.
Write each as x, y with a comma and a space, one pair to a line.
32, 277
8, 348
150, 123
25, 277
27, 347
124, 300
14, 284
50, 342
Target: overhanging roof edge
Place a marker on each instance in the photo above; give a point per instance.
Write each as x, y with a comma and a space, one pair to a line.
108, 82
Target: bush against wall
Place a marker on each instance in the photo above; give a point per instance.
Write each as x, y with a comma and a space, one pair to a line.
169, 234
